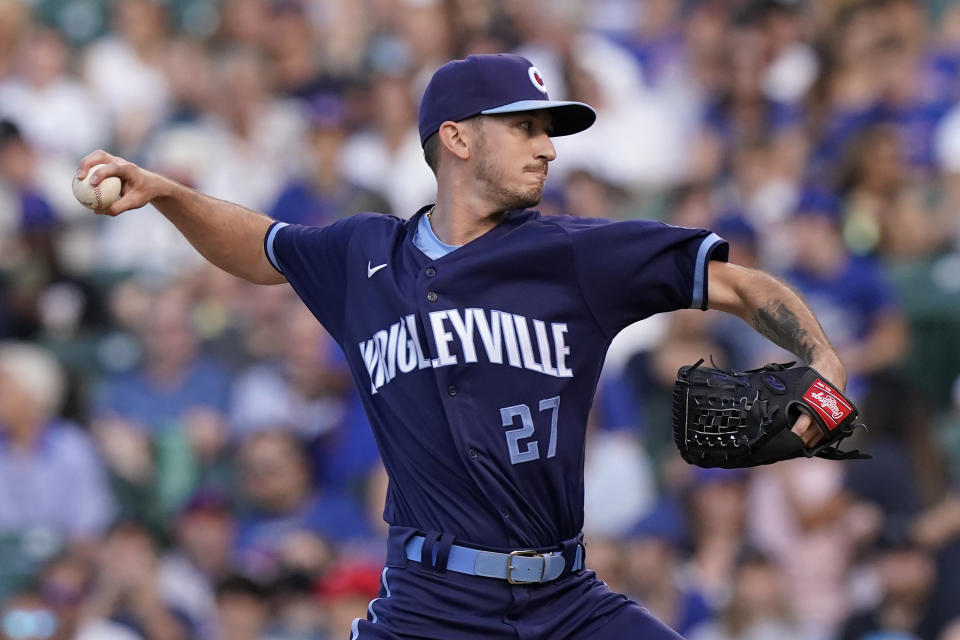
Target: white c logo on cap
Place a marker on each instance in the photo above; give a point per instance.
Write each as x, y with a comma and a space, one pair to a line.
537, 79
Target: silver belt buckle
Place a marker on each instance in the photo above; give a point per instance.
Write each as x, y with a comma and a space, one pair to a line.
529, 553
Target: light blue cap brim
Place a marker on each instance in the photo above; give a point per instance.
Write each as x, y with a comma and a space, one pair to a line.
568, 117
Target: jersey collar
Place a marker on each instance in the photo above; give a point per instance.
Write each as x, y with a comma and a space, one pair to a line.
510, 222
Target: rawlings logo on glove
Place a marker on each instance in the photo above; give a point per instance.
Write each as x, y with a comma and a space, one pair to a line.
828, 403
735, 419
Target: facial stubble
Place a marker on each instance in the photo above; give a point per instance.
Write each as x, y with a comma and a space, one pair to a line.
493, 176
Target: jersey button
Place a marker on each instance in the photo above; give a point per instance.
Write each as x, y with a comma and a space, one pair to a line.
472, 453
506, 512
452, 390
432, 296
430, 272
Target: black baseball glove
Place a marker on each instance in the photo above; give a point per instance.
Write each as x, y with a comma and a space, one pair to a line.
736, 419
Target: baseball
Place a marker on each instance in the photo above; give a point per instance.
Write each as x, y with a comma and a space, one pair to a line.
96, 197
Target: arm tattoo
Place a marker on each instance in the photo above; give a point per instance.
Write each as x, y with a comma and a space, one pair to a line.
781, 325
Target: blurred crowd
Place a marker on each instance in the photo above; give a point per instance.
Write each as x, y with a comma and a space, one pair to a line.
183, 455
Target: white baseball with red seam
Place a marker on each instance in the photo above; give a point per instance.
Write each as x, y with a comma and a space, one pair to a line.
96, 197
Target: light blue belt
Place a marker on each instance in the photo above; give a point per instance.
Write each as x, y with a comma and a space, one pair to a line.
516, 567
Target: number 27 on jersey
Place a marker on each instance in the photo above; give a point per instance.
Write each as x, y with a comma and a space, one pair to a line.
531, 451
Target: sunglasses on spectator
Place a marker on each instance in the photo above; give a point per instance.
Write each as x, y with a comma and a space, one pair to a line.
23, 624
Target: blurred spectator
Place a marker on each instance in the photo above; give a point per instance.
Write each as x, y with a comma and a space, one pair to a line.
189, 71
801, 516
619, 486
717, 505
626, 113
654, 576
162, 427
765, 192
387, 158
324, 194
126, 587
758, 605
26, 210
243, 608
304, 391
134, 51
254, 139
308, 392
657, 41
344, 593
850, 295
692, 204
417, 18
175, 384
793, 63
908, 472
65, 584
589, 195
25, 616
741, 114
263, 309
292, 43
220, 314
937, 530
203, 555
45, 96
244, 23
845, 98
289, 525
15, 19
26, 222
42, 297
883, 215
912, 109
609, 79
906, 574
50, 475
296, 614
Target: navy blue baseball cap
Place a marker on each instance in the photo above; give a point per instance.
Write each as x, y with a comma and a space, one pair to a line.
495, 83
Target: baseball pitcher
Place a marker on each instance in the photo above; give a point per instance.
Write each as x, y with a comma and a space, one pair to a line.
476, 331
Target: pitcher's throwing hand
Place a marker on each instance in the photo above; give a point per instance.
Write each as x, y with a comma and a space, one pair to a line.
137, 186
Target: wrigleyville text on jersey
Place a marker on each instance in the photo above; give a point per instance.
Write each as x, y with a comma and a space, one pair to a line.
505, 338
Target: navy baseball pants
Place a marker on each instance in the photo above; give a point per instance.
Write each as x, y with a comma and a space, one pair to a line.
424, 602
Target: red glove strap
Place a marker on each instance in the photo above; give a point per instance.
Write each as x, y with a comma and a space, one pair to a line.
829, 404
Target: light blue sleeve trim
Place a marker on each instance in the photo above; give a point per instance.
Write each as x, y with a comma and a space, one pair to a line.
700, 269
268, 244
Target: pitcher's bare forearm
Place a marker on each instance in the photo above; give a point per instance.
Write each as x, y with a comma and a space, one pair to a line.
776, 312
226, 234
778, 321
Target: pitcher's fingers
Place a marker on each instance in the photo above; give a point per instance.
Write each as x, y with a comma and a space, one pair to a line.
807, 429
94, 158
128, 201
120, 168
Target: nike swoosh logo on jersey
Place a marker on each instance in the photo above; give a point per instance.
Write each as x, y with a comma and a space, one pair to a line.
372, 270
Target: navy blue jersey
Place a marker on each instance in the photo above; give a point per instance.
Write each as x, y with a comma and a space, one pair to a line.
478, 369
